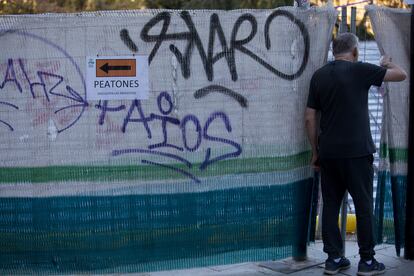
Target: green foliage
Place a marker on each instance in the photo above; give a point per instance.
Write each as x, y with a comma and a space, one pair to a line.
15, 7
386, 3
392, 3
164, 4
236, 4
41, 6
363, 31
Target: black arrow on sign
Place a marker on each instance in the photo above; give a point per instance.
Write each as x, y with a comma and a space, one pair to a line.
106, 68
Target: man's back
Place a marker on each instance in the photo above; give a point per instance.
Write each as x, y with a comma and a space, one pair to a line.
340, 91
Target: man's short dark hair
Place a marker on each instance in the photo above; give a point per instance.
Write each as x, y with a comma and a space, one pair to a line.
344, 43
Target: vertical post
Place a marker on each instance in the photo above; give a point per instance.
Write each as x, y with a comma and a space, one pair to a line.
302, 3
409, 220
300, 245
353, 20
343, 27
344, 214
344, 211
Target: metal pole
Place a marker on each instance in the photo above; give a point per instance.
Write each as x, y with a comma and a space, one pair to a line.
343, 27
305, 4
344, 210
353, 20
300, 245
344, 213
409, 220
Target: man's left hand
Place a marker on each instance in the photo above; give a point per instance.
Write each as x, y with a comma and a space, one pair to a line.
315, 162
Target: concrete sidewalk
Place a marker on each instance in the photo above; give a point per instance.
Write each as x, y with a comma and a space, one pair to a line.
396, 266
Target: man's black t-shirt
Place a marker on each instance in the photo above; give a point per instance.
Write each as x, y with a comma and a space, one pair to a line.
340, 91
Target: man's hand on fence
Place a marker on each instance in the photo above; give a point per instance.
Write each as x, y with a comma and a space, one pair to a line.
385, 61
315, 162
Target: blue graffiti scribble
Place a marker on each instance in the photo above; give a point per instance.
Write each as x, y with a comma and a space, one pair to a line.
10, 76
136, 104
105, 108
208, 161
32, 84
153, 152
71, 94
159, 153
10, 105
165, 107
172, 168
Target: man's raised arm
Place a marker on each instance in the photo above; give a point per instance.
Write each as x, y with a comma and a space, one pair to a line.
394, 72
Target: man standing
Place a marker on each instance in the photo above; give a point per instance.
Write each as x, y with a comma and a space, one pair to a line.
343, 150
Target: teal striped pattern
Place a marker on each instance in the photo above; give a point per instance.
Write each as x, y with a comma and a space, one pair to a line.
136, 233
390, 198
390, 207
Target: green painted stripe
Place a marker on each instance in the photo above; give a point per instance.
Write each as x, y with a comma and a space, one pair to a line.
144, 172
394, 154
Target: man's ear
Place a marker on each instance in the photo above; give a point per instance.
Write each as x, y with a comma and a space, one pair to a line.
355, 52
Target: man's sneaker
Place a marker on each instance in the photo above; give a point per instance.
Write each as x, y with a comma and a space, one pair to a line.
375, 268
332, 267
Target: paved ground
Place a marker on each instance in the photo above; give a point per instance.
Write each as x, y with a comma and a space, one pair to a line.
396, 266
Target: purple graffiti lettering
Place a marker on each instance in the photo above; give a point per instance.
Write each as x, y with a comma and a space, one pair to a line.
144, 120
32, 84
71, 94
164, 96
7, 124
59, 78
53, 45
153, 152
164, 120
76, 98
208, 160
10, 76
195, 179
197, 125
104, 108
201, 133
10, 105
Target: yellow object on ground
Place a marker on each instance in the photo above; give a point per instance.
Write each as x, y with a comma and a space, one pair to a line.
350, 223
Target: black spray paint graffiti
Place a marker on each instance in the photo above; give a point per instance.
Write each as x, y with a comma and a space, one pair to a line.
128, 41
209, 58
53, 85
220, 89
